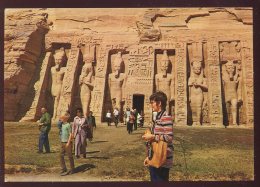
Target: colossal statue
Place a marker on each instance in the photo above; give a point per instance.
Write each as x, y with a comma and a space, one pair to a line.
197, 85
57, 74
232, 88
164, 81
115, 81
85, 82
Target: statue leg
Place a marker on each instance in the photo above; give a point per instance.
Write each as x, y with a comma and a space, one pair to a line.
194, 114
83, 103
55, 107
198, 115
113, 103
234, 111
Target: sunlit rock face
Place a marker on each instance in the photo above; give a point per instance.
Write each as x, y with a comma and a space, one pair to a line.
202, 58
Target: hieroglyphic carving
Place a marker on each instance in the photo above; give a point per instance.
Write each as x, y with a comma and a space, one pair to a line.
247, 65
68, 82
214, 87
180, 79
181, 87
140, 72
40, 89
139, 66
100, 76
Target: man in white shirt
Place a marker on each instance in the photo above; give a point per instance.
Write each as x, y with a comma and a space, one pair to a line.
116, 115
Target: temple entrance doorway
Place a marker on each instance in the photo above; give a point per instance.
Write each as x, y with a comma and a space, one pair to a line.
138, 102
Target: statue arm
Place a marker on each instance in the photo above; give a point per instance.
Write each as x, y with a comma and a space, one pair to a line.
204, 84
190, 82
90, 74
82, 75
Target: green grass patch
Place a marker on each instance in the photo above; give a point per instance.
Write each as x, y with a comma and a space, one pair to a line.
199, 153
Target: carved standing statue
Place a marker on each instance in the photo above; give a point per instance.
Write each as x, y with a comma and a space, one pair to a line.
57, 74
164, 81
86, 85
116, 80
232, 88
197, 84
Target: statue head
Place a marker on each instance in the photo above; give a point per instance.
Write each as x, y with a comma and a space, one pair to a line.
87, 59
196, 66
230, 68
164, 61
59, 57
117, 62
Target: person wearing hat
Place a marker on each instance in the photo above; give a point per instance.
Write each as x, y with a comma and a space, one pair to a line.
66, 138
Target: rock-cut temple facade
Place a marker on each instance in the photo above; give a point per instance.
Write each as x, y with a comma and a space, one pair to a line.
101, 59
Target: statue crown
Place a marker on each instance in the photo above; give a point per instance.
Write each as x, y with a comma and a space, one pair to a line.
60, 53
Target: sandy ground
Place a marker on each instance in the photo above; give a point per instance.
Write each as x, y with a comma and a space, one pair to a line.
53, 177
105, 140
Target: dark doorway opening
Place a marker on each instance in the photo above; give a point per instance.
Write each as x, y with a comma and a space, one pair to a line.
138, 102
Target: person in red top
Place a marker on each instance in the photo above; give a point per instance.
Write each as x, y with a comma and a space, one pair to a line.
162, 129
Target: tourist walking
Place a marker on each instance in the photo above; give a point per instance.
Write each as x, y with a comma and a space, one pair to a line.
66, 139
44, 127
116, 116
130, 123
91, 121
127, 115
79, 133
108, 116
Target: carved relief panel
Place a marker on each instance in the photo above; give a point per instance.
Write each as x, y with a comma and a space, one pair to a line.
68, 87
214, 83
248, 82
164, 75
177, 55
197, 85
85, 77
139, 82
105, 56
231, 74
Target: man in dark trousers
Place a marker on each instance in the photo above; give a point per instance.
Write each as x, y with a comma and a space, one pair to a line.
44, 127
91, 121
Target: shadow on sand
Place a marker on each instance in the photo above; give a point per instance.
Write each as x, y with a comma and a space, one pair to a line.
84, 167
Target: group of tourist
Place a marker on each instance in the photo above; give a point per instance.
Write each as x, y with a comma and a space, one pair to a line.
80, 130
132, 118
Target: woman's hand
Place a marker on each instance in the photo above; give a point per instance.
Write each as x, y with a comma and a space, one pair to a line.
148, 137
146, 161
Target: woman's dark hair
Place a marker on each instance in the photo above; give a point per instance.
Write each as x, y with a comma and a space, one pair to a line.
79, 109
159, 96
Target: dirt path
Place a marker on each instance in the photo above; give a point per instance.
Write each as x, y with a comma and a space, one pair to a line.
103, 153
53, 177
